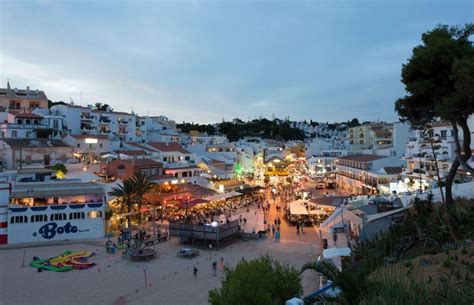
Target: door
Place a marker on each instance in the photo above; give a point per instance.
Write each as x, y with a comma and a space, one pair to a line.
46, 159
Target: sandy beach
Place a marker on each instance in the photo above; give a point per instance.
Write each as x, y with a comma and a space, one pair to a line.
169, 280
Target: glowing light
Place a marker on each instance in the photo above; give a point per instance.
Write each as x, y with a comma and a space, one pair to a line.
90, 141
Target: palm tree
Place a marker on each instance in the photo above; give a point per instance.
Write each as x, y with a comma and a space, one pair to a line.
126, 193
142, 184
351, 281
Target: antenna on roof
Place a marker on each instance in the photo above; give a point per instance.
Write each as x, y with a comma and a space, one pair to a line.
8, 83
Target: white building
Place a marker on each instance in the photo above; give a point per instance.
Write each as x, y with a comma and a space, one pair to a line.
23, 153
367, 174
116, 125
88, 148
30, 125
50, 211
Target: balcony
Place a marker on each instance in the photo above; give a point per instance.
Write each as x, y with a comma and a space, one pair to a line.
24, 126
104, 120
85, 127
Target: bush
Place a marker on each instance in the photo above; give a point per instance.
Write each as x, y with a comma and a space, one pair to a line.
263, 281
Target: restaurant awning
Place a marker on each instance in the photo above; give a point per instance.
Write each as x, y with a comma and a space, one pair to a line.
297, 208
332, 252
222, 196
191, 203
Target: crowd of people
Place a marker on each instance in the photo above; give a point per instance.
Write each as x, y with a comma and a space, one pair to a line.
219, 211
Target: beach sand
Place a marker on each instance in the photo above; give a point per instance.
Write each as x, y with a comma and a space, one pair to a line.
170, 279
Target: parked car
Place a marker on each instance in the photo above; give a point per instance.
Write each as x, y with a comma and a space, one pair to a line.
321, 186
187, 253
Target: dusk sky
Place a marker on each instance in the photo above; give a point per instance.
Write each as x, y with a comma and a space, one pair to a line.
203, 61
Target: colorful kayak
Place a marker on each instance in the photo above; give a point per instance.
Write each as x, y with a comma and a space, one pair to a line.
65, 262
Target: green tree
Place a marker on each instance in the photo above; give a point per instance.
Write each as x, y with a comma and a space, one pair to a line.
61, 170
141, 184
351, 281
126, 193
262, 281
102, 107
439, 82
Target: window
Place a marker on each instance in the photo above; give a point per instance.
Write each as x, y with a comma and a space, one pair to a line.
28, 134
55, 124
58, 217
185, 174
94, 214
165, 159
14, 134
120, 170
100, 145
78, 145
20, 121
187, 158
444, 134
28, 122
76, 215
39, 218
18, 219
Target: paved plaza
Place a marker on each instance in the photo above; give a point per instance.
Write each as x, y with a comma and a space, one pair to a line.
169, 280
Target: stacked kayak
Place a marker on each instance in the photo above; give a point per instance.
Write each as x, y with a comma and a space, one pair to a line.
67, 261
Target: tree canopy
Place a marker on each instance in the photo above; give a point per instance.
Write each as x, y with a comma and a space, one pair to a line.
103, 107
439, 82
238, 129
262, 281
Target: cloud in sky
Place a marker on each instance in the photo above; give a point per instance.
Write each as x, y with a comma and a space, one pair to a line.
203, 61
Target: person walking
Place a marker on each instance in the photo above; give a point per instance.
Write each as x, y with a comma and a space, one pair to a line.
214, 267
195, 272
273, 230
302, 225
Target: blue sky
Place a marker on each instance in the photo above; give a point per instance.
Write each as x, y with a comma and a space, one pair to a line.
203, 61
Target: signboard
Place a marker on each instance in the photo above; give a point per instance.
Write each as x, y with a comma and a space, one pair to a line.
55, 230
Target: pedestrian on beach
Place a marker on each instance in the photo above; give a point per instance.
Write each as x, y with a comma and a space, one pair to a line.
273, 230
195, 271
214, 267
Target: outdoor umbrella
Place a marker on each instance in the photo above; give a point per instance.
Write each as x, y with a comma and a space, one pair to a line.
191, 203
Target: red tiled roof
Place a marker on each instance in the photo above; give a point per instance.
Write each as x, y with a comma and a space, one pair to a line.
393, 170
168, 147
83, 136
381, 132
362, 158
141, 146
135, 152
144, 163
26, 115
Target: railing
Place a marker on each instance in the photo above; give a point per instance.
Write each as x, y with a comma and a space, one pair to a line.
24, 126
